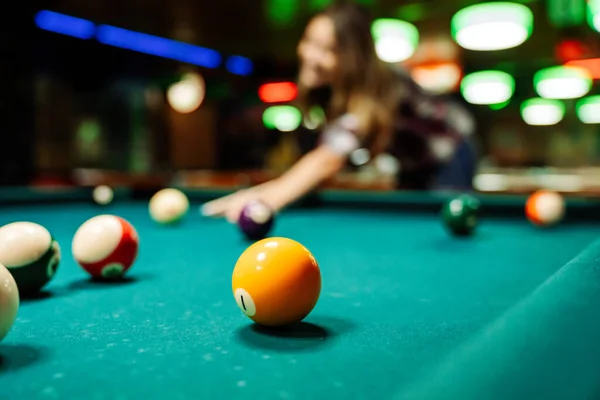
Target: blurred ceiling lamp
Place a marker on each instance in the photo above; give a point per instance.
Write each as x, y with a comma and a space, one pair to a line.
588, 109
487, 87
591, 64
282, 118
395, 40
437, 78
492, 26
562, 82
594, 14
542, 112
187, 95
279, 92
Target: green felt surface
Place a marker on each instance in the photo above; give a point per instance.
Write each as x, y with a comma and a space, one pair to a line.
405, 309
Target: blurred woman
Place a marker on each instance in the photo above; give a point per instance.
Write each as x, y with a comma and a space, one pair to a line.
368, 105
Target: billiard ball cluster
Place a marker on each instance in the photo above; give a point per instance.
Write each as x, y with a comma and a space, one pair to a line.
543, 208
105, 246
275, 282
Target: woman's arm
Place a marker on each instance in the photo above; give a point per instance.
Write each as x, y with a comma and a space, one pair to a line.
338, 141
310, 171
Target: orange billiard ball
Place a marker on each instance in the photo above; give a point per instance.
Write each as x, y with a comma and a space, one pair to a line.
545, 208
276, 282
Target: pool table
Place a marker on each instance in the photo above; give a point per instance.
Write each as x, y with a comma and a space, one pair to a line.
406, 310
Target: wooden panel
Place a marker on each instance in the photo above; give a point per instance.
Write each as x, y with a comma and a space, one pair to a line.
192, 138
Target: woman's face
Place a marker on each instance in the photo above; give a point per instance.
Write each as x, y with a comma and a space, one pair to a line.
318, 54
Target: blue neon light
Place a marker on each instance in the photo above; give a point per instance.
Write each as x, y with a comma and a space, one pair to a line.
65, 24
239, 65
140, 42
158, 46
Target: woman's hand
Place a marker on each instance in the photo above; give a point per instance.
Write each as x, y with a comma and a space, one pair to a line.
230, 206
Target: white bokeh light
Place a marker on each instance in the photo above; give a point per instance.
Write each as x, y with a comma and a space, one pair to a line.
490, 36
186, 95
542, 112
394, 49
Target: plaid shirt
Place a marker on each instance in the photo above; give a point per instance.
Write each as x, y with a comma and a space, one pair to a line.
427, 132
428, 128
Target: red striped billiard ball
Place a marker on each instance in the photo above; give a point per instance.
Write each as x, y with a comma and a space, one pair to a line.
106, 246
545, 208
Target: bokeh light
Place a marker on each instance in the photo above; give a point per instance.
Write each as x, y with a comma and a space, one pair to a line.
588, 109
277, 92
283, 118
487, 87
187, 95
395, 40
542, 112
562, 82
492, 26
593, 10
439, 78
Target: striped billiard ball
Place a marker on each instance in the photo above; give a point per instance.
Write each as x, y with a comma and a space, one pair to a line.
105, 246
31, 255
545, 208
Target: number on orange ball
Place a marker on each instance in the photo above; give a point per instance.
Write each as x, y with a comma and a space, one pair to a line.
544, 208
106, 246
276, 282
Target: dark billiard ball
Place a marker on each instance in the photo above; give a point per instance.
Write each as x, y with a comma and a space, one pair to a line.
460, 215
30, 253
256, 220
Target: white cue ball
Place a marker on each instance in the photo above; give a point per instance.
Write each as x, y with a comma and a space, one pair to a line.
9, 301
103, 195
168, 206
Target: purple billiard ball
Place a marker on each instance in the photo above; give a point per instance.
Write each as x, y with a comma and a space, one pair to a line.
256, 220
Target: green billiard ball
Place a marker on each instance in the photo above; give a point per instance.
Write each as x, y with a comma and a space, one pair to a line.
30, 253
460, 215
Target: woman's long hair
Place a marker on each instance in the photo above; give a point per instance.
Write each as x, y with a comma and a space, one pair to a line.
365, 85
